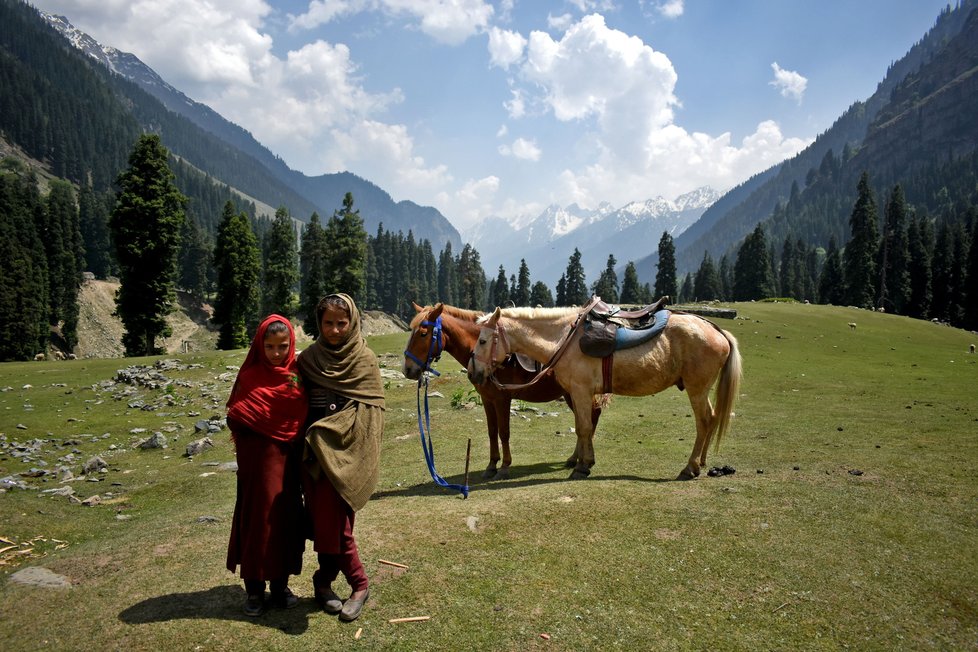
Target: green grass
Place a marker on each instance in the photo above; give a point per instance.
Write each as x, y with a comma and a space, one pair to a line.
794, 551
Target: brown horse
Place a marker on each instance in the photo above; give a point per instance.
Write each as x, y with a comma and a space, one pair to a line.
691, 353
458, 333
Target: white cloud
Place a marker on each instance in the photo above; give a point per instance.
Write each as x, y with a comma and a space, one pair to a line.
515, 106
559, 23
788, 82
523, 149
620, 93
505, 47
670, 8
446, 21
472, 201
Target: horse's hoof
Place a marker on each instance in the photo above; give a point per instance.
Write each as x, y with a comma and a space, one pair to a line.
489, 474
686, 474
503, 473
571, 462
579, 474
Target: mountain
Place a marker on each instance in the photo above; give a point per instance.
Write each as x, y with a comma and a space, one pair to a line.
919, 118
279, 184
629, 233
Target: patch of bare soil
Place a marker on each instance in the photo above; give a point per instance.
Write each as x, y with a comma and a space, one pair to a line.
100, 331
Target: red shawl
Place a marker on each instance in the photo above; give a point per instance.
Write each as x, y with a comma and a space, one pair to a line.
267, 399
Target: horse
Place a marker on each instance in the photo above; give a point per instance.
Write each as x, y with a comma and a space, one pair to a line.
691, 353
456, 333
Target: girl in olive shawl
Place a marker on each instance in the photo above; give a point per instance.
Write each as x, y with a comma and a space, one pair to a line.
343, 434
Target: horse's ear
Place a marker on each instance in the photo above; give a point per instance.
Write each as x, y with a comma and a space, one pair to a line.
494, 317
436, 311
417, 308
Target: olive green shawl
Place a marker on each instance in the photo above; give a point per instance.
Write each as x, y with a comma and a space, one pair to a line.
346, 445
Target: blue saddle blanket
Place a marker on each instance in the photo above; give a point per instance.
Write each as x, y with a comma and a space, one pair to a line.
626, 338
603, 336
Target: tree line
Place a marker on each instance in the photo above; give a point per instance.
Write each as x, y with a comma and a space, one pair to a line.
146, 234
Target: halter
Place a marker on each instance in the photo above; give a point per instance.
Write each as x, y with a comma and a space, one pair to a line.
435, 347
498, 341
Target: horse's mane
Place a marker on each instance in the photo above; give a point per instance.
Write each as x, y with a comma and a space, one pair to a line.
458, 313
533, 313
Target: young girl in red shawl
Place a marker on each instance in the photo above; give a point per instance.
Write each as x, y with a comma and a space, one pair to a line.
266, 410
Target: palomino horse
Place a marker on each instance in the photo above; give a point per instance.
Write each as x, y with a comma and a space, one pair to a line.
691, 353
452, 329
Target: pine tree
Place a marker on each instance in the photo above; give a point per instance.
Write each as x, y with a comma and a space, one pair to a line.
346, 266
561, 298
706, 285
831, 284
631, 290
576, 292
523, 287
540, 295
859, 257
606, 286
500, 290
145, 227
893, 257
471, 279
752, 269
65, 260
23, 266
686, 289
281, 267
447, 276
970, 317
920, 242
665, 276
726, 278
312, 272
194, 258
237, 258
93, 215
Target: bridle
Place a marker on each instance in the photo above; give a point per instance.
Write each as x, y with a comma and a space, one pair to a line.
435, 347
499, 342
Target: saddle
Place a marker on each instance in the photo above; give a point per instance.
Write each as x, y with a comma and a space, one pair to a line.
608, 328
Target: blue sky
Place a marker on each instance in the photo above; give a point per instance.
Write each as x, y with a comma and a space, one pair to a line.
501, 108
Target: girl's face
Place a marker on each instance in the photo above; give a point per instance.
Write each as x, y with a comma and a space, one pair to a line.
276, 348
334, 325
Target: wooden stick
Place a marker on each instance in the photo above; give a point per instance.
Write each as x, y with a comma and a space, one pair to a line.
412, 619
391, 563
356, 637
468, 453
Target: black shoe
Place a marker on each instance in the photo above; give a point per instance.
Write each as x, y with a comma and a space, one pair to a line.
284, 600
328, 600
351, 610
255, 605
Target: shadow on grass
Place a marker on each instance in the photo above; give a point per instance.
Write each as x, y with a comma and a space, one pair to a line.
519, 476
217, 603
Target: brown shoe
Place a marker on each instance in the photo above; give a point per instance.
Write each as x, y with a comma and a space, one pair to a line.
254, 606
351, 610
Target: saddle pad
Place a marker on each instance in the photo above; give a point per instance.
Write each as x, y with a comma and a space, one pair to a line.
626, 338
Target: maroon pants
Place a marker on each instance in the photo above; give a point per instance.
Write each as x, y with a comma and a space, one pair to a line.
267, 528
332, 534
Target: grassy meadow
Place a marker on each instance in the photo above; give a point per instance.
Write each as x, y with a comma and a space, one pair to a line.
851, 521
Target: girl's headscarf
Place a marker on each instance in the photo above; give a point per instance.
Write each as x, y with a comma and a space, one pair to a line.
266, 398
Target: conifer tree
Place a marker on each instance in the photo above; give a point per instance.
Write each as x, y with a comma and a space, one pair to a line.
500, 290
194, 258
561, 298
859, 257
920, 242
281, 267
145, 228
237, 258
523, 286
65, 260
631, 290
725, 273
23, 266
752, 269
706, 285
575, 290
447, 276
831, 284
970, 318
665, 276
471, 279
686, 289
346, 266
312, 272
893, 257
93, 216
540, 295
606, 286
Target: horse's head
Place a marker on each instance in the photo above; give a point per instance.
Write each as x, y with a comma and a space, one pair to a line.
425, 343
490, 349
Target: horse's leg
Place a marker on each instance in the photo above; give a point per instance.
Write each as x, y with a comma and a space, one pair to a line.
572, 460
584, 414
492, 425
502, 421
703, 411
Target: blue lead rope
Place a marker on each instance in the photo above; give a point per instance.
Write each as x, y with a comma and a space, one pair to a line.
426, 445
